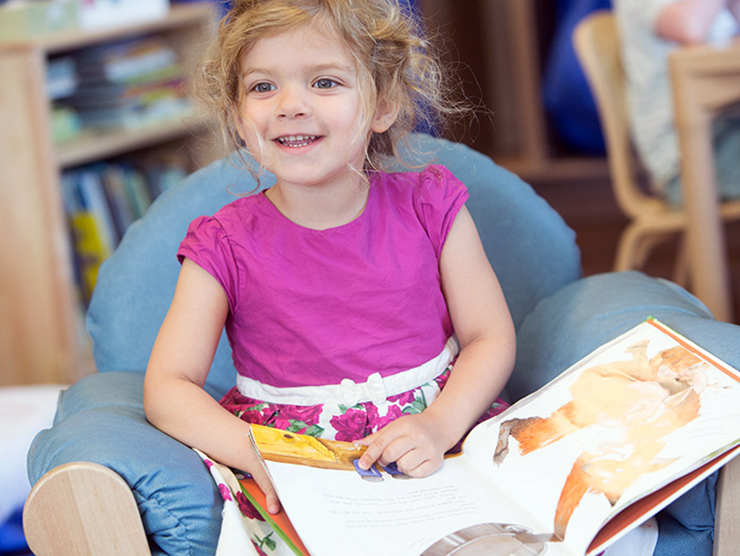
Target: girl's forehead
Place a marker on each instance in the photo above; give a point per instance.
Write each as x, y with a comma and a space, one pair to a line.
314, 35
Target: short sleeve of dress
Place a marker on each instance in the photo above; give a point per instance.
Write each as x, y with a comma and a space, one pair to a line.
438, 198
207, 245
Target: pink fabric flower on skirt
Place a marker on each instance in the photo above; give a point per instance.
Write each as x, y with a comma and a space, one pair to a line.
377, 422
441, 380
247, 508
351, 426
250, 416
225, 492
308, 414
404, 397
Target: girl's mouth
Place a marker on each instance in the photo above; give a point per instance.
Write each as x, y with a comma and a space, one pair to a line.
296, 141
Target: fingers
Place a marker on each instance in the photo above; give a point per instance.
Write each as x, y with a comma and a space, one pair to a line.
263, 481
413, 457
426, 468
418, 462
375, 449
385, 447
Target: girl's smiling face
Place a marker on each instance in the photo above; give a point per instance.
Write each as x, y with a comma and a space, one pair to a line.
302, 113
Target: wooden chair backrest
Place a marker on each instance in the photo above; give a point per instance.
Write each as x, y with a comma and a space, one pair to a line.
596, 43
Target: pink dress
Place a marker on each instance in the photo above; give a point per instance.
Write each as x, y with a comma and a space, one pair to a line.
335, 332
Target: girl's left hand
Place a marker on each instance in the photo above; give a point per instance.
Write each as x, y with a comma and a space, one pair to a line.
415, 442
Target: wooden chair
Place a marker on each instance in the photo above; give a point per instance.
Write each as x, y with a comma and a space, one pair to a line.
596, 43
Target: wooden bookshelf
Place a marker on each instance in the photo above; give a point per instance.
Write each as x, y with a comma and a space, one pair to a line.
91, 146
42, 338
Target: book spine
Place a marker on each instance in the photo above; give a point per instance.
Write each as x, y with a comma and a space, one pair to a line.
101, 201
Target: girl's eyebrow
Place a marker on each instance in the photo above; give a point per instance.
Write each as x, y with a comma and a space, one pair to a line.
318, 68
249, 71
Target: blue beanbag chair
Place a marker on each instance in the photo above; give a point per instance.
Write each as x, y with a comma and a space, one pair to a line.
559, 316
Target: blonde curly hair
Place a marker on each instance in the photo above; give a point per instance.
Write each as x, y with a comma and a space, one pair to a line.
395, 59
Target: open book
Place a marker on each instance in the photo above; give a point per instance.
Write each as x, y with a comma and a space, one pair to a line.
567, 470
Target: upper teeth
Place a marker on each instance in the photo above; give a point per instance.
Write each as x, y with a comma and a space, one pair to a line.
297, 138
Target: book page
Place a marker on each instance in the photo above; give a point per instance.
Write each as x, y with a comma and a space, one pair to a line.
337, 512
627, 420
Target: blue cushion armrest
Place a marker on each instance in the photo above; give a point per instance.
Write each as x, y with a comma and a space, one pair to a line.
570, 324
101, 419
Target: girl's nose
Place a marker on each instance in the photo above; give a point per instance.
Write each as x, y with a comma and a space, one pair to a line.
293, 103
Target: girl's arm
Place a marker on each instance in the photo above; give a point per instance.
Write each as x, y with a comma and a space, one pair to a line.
174, 399
689, 21
484, 328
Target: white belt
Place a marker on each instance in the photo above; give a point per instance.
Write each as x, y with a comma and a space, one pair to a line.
348, 392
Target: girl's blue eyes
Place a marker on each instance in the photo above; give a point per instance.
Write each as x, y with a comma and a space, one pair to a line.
323, 83
263, 88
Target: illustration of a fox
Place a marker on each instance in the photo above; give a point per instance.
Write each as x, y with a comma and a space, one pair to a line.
622, 410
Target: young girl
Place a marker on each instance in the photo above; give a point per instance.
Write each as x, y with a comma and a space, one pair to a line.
347, 293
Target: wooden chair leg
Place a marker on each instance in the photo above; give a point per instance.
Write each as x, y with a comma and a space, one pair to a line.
681, 270
629, 250
727, 511
84, 509
637, 242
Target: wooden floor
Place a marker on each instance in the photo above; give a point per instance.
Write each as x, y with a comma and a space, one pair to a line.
590, 209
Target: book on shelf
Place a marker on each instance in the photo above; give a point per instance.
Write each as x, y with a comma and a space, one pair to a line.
93, 231
128, 84
568, 470
113, 181
162, 175
102, 200
61, 77
65, 124
61, 83
137, 189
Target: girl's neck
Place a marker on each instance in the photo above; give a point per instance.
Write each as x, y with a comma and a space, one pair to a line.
320, 208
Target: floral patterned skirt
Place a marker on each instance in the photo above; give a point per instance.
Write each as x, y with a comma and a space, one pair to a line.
328, 420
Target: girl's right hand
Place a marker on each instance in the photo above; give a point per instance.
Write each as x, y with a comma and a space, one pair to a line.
174, 398
414, 442
263, 481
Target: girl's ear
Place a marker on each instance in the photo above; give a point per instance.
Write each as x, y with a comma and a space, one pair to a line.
236, 117
385, 116
240, 125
